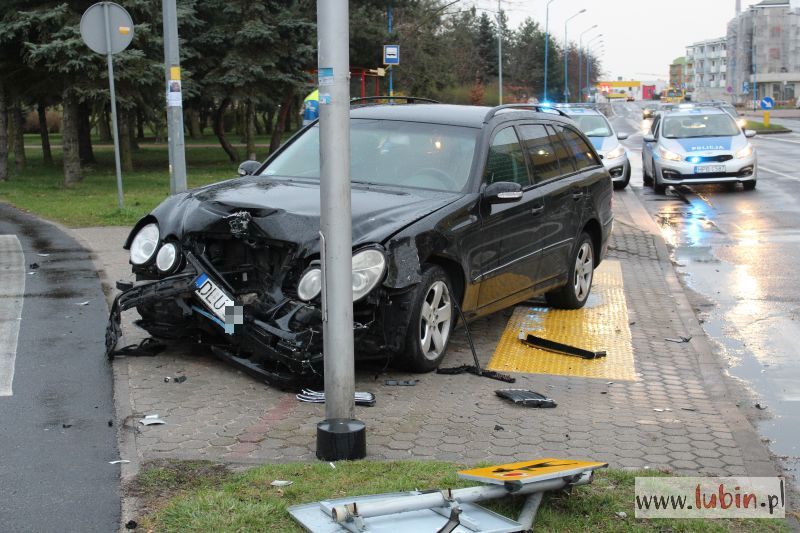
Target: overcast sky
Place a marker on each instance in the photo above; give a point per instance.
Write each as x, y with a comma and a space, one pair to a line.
642, 37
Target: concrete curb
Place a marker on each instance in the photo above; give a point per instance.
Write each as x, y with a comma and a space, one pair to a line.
758, 461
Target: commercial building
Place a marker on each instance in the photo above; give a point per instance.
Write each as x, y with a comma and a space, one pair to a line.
706, 70
764, 51
620, 89
678, 74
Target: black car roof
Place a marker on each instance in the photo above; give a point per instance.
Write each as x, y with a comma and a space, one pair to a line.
455, 115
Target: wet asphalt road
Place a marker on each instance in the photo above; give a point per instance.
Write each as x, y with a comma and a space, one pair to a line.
55, 441
740, 252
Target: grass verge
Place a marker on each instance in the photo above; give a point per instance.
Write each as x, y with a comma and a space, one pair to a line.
202, 496
759, 127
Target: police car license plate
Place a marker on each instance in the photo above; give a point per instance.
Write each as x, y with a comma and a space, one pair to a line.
709, 168
212, 296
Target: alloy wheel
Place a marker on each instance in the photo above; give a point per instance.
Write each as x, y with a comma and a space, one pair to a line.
584, 270
434, 320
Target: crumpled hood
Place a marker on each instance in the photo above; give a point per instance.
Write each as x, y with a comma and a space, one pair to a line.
290, 210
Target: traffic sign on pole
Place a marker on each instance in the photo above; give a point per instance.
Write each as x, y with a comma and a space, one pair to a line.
107, 29
391, 54
767, 103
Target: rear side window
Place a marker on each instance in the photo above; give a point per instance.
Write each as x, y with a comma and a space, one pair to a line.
541, 152
581, 152
564, 156
506, 160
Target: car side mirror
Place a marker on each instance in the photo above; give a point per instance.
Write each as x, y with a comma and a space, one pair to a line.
248, 168
622, 136
749, 133
648, 138
503, 192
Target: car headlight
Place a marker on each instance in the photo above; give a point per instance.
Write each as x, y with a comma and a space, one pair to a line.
619, 151
167, 257
747, 151
368, 269
669, 156
742, 122
144, 244
310, 284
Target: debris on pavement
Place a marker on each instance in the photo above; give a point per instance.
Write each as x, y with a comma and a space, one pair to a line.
679, 340
131, 524
401, 382
281, 483
366, 399
564, 349
43, 255
525, 397
621, 514
498, 427
167, 379
119, 462
33, 266
472, 369
83, 303
149, 347
151, 420
760, 406
179, 379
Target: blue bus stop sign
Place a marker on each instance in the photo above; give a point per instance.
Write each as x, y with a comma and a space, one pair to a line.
767, 103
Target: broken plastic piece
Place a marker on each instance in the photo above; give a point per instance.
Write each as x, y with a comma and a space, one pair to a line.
565, 349
472, 369
83, 303
679, 339
528, 398
151, 420
179, 379
281, 483
167, 379
149, 347
33, 266
119, 462
401, 382
366, 399
131, 524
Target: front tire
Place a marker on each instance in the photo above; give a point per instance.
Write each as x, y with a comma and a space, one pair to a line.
432, 320
749, 185
574, 294
647, 179
619, 185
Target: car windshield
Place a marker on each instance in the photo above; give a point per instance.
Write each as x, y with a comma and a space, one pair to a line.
389, 152
688, 126
731, 110
592, 125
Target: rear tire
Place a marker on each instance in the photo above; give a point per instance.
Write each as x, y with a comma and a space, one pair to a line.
432, 318
749, 185
574, 294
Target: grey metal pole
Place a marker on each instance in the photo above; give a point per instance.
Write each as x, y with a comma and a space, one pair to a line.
339, 436
546, 44
172, 67
115, 131
499, 54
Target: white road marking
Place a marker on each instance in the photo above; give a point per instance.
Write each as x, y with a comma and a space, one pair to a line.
12, 290
762, 167
772, 138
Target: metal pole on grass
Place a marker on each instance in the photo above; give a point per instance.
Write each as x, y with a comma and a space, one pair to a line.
115, 131
546, 44
339, 436
566, 55
172, 64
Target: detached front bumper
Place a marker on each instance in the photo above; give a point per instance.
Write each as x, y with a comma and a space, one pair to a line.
685, 173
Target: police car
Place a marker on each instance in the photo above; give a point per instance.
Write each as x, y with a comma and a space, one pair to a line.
696, 144
599, 131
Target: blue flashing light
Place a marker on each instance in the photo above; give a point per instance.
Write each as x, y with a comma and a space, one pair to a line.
694, 159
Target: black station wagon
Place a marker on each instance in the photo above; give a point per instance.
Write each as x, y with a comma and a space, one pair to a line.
465, 206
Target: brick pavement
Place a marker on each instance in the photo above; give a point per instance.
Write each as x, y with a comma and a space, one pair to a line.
669, 418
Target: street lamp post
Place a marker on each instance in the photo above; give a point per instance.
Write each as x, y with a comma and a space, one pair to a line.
500, 52
589, 69
580, 61
566, 55
546, 44
753, 58
588, 62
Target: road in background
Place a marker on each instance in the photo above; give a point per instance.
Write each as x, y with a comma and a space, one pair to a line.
740, 251
55, 437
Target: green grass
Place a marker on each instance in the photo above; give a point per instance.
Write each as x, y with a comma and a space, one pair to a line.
760, 127
197, 496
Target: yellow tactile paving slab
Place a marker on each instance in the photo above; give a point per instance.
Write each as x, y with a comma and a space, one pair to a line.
601, 325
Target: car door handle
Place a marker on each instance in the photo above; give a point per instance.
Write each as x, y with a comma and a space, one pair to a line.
537, 209
577, 195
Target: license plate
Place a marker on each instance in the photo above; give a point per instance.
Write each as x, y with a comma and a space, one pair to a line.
212, 296
709, 168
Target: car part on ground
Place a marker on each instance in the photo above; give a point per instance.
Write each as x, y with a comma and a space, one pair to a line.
558, 347
527, 398
367, 399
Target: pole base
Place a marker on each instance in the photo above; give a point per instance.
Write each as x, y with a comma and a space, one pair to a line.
341, 439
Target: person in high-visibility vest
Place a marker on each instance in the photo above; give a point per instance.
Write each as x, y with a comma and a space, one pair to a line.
311, 108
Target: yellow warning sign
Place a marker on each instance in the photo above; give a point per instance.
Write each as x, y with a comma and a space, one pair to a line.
600, 325
175, 73
530, 471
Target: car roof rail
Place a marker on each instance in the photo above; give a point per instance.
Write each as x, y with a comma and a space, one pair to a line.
366, 100
581, 105
534, 107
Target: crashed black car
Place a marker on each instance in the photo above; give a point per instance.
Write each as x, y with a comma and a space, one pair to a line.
452, 205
